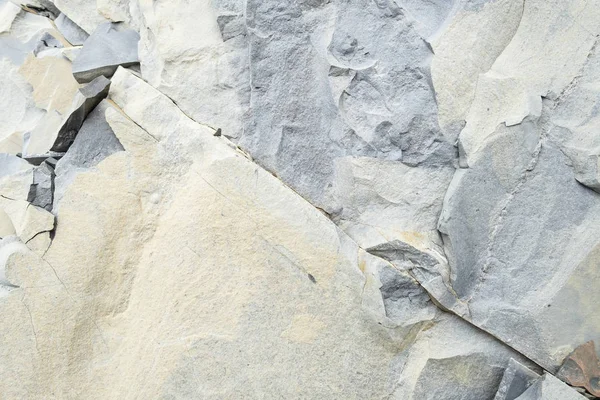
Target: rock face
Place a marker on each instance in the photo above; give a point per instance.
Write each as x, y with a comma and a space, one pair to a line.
319, 199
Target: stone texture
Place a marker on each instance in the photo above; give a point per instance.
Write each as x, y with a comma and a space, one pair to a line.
313, 199
582, 368
41, 193
57, 131
550, 388
515, 381
82, 12
94, 142
70, 30
108, 47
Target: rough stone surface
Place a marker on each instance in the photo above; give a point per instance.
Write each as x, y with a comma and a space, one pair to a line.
582, 368
550, 388
317, 199
94, 142
70, 30
517, 378
41, 193
108, 47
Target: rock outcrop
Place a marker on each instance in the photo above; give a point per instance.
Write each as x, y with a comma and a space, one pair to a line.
319, 199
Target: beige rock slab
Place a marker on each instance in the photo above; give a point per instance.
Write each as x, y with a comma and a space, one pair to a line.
52, 80
189, 281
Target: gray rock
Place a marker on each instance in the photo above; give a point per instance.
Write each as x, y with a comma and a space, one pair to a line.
37, 159
328, 81
550, 388
111, 45
452, 361
517, 378
87, 99
47, 41
522, 237
45, 8
94, 142
70, 30
41, 192
404, 300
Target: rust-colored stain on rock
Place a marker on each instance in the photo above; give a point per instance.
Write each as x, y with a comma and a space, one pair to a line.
582, 368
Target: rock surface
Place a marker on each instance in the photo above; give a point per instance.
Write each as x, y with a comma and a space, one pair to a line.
319, 199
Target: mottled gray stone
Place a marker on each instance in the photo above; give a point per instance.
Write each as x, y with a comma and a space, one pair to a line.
111, 45
522, 236
70, 30
41, 192
517, 378
87, 99
550, 388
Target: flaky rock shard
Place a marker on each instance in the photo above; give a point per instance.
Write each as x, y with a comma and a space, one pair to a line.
111, 45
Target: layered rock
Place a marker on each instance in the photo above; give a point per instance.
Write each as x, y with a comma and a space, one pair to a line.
321, 199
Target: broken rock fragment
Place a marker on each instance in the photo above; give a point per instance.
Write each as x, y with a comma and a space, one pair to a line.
85, 101
550, 388
516, 379
111, 45
56, 132
94, 142
582, 368
41, 193
70, 30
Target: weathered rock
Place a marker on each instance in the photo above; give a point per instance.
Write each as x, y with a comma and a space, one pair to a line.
582, 368
52, 82
549, 388
56, 132
94, 142
451, 361
6, 226
109, 46
242, 298
82, 12
8, 12
45, 8
515, 381
37, 159
85, 101
10, 165
337, 98
41, 193
517, 279
70, 30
